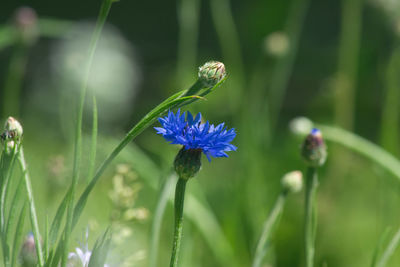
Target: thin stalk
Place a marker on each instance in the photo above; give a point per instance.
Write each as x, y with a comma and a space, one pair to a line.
349, 48
394, 243
179, 200
283, 68
32, 209
229, 40
390, 108
93, 145
269, 224
310, 224
157, 220
13, 83
104, 10
188, 17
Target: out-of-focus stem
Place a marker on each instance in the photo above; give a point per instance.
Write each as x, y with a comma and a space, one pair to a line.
13, 84
32, 209
349, 46
157, 220
188, 18
271, 221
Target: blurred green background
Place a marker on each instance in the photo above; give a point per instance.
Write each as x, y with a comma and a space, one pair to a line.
336, 62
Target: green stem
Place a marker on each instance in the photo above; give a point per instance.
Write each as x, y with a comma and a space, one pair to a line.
188, 17
32, 209
104, 10
390, 108
179, 200
283, 68
157, 221
349, 48
269, 224
310, 224
394, 243
13, 83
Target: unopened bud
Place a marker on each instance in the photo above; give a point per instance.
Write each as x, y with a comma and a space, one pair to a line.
28, 252
212, 73
277, 44
292, 182
12, 129
187, 163
301, 125
313, 149
26, 22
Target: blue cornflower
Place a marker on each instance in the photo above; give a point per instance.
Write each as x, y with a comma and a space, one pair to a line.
185, 130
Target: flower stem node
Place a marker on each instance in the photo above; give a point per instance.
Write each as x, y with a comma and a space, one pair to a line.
292, 182
313, 149
212, 73
187, 163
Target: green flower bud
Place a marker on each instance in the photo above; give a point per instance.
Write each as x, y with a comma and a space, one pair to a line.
292, 182
212, 73
12, 129
187, 163
313, 149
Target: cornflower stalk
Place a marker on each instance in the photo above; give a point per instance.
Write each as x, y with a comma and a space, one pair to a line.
314, 153
292, 182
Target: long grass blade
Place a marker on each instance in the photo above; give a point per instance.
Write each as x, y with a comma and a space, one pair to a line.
18, 236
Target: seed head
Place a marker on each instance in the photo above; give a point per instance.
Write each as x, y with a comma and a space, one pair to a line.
212, 73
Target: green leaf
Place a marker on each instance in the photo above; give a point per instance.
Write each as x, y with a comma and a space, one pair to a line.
18, 236
99, 253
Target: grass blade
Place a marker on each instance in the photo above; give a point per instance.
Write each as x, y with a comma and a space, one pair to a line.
18, 236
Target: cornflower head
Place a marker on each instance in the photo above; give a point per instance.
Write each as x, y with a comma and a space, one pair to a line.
313, 149
195, 137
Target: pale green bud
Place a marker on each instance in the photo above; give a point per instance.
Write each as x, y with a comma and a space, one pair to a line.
12, 129
292, 182
212, 73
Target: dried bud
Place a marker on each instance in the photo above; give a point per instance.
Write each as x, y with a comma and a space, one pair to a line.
187, 163
211, 73
313, 149
292, 182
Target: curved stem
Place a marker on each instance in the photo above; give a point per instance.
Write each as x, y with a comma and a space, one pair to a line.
394, 243
179, 200
310, 224
32, 209
104, 10
269, 224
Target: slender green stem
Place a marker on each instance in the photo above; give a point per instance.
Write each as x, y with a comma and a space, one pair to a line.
188, 17
394, 243
310, 224
390, 108
32, 209
157, 220
269, 224
104, 10
349, 48
179, 200
13, 83
283, 68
